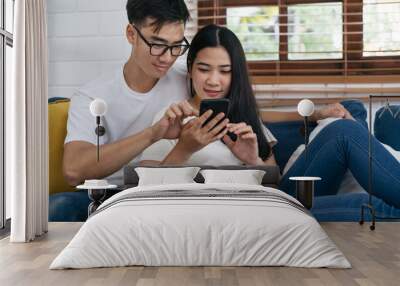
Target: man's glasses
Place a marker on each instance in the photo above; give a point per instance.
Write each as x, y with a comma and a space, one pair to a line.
160, 49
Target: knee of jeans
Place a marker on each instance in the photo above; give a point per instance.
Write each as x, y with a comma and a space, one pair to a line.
346, 127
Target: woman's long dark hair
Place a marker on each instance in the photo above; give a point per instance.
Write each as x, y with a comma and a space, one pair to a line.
243, 106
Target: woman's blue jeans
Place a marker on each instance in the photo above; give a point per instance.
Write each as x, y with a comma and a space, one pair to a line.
343, 145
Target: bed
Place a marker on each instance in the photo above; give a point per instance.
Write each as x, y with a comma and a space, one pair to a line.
201, 224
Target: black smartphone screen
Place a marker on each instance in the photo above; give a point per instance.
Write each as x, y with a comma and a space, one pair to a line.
216, 105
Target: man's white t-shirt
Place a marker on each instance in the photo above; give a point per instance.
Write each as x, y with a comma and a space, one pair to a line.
215, 153
128, 112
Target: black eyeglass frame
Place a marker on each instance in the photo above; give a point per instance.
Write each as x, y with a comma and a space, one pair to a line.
166, 47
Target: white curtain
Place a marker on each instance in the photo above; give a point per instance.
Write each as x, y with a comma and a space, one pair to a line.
26, 124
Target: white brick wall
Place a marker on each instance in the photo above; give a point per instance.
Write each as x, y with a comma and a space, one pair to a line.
54, 6
101, 5
86, 38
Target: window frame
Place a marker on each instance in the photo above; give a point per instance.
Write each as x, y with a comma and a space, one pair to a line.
352, 64
6, 39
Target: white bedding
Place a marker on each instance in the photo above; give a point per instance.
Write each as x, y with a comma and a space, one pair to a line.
191, 230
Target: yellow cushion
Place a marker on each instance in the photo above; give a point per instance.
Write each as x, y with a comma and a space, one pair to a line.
58, 115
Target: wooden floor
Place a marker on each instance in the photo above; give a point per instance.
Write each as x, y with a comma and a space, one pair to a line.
374, 255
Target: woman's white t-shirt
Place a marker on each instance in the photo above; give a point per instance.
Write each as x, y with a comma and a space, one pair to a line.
215, 153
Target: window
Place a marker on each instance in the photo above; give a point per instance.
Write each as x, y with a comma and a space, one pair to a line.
315, 31
258, 30
6, 43
319, 38
381, 20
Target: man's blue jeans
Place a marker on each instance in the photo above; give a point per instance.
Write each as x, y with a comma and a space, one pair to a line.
343, 145
69, 206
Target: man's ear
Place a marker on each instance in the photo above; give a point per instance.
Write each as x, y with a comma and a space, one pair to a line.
131, 34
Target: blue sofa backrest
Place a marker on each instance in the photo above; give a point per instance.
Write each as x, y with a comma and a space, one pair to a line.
289, 137
387, 127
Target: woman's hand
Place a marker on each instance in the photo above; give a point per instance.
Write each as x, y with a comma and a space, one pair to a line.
170, 125
194, 136
245, 148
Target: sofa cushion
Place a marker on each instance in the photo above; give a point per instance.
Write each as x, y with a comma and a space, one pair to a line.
58, 114
289, 137
357, 110
386, 126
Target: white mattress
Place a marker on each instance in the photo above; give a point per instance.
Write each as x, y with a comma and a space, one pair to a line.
190, 230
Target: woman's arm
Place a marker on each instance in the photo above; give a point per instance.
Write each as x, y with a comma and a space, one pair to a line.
332, 110
270, 161
178, 155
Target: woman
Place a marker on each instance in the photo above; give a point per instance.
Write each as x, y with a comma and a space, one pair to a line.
214, 75
217, 69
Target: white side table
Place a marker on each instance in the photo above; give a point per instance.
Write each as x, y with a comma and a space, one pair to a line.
305, 190
96, 195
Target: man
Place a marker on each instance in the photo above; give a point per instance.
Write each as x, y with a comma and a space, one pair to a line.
147, 83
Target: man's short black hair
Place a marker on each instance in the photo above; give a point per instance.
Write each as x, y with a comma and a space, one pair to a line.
162, 11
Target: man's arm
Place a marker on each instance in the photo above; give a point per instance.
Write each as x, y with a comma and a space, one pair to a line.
80, 157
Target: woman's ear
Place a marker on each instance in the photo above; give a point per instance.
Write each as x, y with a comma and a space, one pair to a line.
130, 34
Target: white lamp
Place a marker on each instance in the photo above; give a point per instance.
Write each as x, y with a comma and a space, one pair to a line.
98, 108
97, 189
305, 185
305, 108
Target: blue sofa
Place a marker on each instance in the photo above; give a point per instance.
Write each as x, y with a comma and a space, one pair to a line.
344, 207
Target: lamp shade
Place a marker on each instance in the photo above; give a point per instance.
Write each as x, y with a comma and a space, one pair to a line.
98, 107
305, 107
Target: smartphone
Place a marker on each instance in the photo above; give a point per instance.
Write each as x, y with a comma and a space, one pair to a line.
216, 105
